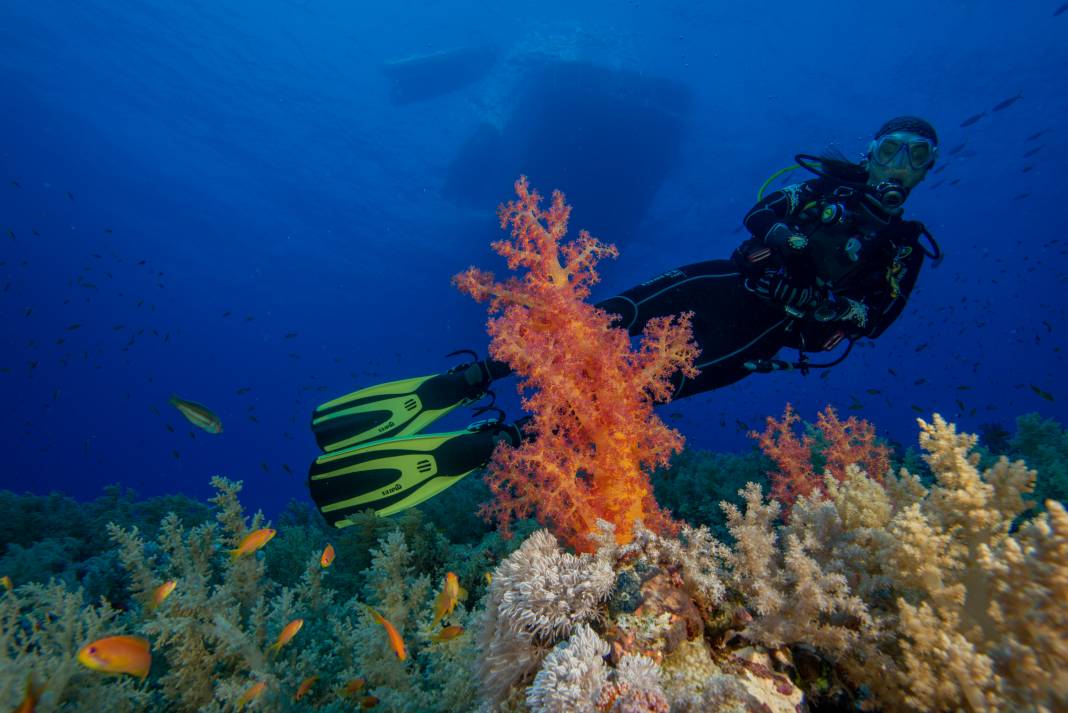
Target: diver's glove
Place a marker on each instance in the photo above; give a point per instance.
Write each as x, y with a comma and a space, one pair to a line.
783, 237
850, 314
776, 289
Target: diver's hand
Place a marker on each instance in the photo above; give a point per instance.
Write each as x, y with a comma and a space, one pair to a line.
783, 237
795, 299
849, 313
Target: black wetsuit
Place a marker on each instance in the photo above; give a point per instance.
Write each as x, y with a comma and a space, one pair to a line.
863, 261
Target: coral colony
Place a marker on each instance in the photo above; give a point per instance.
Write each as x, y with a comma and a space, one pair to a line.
936, 587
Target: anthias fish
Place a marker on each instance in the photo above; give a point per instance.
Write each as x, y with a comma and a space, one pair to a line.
163, 591
254, 692
198, 414
117, 654
354, 686
451, 592
287, 634
395, 641
252, 542
30, 697
304, 687
447, 634
327, 558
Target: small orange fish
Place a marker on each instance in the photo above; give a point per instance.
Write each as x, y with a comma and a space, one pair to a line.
252, 542
489, 578
32, 695
395, 640
305, 686
163, 591
368, 702
254, 692
117, 654
6, 581
449, 632
354, 686
451, 592
288, 633
327, 558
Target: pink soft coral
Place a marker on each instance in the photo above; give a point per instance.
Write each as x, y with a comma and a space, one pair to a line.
839, 444
591, 395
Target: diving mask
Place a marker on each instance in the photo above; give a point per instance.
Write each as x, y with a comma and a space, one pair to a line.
920, 153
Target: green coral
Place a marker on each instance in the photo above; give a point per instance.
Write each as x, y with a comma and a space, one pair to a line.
211, 639
1043, 445
41, 629
695, 482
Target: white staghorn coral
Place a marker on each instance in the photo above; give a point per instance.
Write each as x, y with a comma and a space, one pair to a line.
538, 596
571, 676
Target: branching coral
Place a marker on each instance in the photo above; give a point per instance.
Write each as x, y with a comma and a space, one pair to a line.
832, 445
906, 596
594, 434
959, 611
794, 599
993, 600
210, 638
41, 629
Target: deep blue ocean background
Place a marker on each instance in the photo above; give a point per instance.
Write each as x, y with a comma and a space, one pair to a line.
265, 197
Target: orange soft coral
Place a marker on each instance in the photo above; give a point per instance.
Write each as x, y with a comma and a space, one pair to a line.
837, 444
595, 436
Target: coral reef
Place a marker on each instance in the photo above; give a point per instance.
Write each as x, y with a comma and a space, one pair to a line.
642, 641
1043, 444
571, 676
886, 594
905, 594
696, 481
211, 638
582, 463
829, 447
538, 595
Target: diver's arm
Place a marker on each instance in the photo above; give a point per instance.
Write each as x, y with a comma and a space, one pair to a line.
769, 221
887, 308
868, 313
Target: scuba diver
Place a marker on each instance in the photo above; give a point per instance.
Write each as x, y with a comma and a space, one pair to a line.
828, 260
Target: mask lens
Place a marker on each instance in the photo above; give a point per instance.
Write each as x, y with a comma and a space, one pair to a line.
920, 154
885, 151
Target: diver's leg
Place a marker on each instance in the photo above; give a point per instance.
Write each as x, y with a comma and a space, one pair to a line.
730, 325
667, 294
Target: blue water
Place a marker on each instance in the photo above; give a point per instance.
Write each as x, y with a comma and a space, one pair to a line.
261, 159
